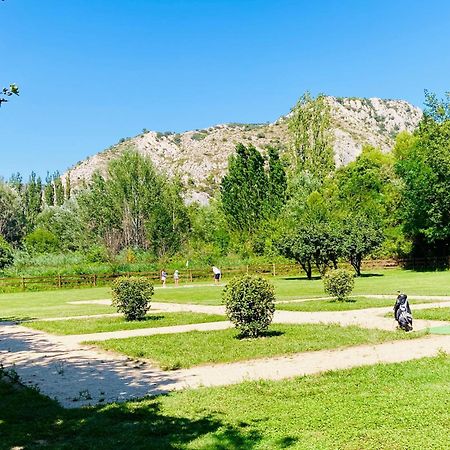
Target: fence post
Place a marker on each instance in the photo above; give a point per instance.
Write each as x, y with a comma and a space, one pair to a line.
247, 269
190, 275
59, 280
23, 283
95, 279
273, 270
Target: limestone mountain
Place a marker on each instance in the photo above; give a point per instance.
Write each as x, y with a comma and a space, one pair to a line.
200, 157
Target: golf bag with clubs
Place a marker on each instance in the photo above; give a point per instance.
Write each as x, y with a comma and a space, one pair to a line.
402, 313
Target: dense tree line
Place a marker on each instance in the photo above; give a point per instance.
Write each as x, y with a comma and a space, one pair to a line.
291, 202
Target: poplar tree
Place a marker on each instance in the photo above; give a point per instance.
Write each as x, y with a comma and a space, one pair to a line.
312, 139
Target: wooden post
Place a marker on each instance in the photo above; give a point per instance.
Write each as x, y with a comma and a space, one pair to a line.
59, 281
95, 279
247, 269
23, 283
273, 270
190, 275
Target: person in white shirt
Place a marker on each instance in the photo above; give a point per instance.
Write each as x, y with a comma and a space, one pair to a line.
217, 274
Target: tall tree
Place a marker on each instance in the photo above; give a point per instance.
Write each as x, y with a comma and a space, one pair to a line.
11, 218
244, 190
253, 192
134, 206
32, 201
423, 163
312, 139
59, 189
49, 190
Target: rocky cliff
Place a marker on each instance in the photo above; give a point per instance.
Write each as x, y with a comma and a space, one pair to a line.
200, 157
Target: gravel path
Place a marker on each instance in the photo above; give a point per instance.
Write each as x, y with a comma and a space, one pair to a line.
79, 375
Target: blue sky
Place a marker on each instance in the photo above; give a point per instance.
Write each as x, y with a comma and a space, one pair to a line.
94, 71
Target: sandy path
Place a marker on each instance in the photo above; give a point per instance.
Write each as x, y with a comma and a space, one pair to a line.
79, 375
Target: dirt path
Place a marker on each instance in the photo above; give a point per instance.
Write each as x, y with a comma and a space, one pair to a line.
79, 375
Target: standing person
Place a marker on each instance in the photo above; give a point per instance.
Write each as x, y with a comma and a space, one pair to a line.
163, 277
176, 277
217, 274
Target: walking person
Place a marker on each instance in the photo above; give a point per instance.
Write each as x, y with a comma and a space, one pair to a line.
163, 277
217, 274
176, 277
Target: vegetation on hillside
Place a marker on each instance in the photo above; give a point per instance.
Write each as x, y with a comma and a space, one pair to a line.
271, 205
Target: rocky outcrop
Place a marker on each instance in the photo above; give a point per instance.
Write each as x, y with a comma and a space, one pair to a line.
200, 157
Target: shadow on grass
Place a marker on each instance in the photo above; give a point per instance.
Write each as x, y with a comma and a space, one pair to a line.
301, 278
29, 420
370, 275
16, 319
264, 334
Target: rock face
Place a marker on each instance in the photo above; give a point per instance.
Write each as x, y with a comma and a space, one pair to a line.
200, 157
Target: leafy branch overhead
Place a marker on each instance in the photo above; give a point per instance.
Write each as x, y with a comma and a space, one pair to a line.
8, 92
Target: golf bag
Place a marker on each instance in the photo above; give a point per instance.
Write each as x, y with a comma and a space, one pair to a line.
402, 313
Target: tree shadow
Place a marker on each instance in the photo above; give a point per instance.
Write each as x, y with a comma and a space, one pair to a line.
315, 277
29, 420
370, 275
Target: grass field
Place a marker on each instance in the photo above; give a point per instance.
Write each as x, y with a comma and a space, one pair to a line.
105, 324
333, 305
183, 350
388, 407
29, 305
433, 314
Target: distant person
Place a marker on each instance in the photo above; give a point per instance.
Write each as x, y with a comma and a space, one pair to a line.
163, 277
402, 312
176, 277
217, 274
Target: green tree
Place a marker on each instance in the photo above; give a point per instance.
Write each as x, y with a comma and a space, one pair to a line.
49, 190
423, 163
244, 190
32, 201
42, 241
134, 206
312, 140
361, 236
6, 255
311, 234
59, 189
252, 192
65, 223
11, 217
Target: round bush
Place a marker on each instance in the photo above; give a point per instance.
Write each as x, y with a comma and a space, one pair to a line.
6, 255
339, 283
42, 241
131, 296
250, 304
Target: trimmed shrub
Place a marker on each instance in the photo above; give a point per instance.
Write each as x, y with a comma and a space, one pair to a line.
6, 256
131, 296
250, 304
339, 283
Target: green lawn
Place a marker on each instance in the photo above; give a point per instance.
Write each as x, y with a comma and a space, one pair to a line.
333, 305
34, 305
28, 305
389, 407
183, 350
432, 314
104, 324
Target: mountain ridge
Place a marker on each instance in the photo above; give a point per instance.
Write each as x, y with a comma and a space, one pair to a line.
199, 157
